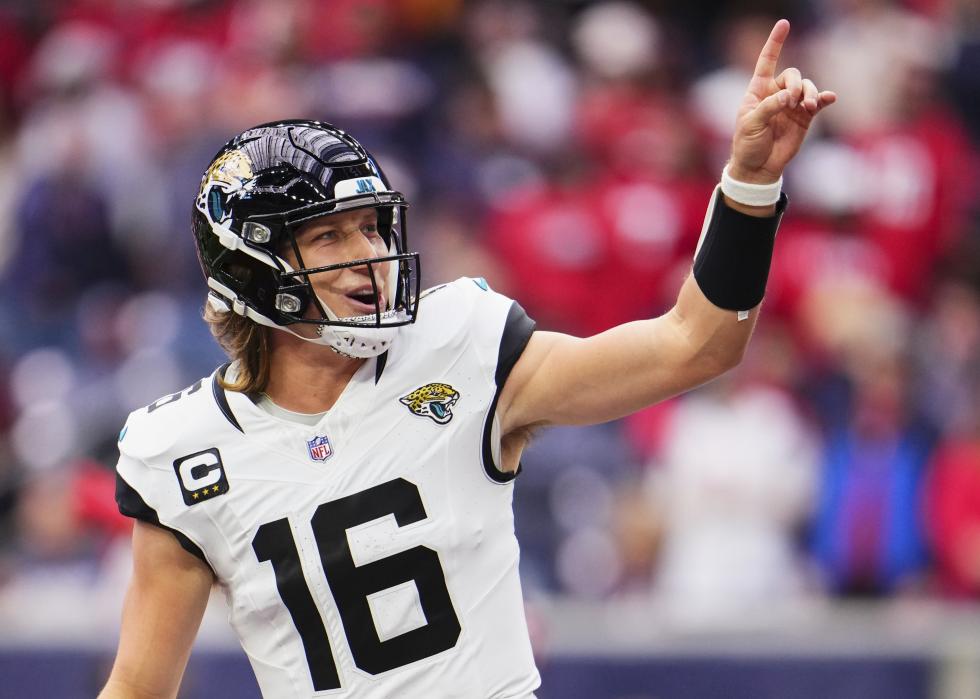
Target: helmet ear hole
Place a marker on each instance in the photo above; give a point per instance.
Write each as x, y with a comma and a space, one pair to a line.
239, 273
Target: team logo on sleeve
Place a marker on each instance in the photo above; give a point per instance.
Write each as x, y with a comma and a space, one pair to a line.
201, 476
320, 449
434, 400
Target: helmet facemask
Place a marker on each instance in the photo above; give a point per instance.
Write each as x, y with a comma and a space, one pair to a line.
361, 335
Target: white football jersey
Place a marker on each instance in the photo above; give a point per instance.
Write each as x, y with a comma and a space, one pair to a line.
370, 555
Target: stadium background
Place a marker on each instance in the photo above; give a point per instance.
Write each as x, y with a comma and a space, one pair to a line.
807, 526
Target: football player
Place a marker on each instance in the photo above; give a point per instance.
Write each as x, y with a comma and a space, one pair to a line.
346, 479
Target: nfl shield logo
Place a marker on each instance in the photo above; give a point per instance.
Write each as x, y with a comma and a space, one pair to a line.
320, 449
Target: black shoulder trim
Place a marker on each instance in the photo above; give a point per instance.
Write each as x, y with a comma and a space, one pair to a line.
517, 332
222, 400
379, 366
132, 504
494, 473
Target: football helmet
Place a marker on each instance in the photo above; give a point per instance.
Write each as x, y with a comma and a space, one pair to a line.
258, 190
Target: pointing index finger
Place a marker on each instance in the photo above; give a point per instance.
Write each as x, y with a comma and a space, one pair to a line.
765, 67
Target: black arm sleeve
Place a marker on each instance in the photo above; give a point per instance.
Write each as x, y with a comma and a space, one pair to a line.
732, 264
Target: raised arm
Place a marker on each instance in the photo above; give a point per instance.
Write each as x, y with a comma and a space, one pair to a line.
162, 613
566, 380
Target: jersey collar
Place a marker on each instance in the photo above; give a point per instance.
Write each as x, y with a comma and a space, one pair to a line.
240, 412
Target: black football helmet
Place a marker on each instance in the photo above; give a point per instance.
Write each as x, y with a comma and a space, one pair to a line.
258, 190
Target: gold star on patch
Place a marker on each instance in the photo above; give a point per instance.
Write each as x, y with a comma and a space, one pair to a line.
194, 495
214, 489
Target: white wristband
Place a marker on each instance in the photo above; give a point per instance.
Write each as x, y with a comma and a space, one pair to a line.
750, 194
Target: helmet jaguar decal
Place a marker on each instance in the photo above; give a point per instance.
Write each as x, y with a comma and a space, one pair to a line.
434, 400
227, 174
232, 168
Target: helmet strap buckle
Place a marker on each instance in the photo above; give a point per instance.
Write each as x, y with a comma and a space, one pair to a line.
256, 232
288, 303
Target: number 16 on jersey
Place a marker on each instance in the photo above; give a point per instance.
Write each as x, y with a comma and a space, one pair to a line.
351, 585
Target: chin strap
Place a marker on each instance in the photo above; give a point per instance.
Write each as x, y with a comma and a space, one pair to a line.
357, 343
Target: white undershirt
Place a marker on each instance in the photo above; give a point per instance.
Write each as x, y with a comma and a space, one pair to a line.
266, 403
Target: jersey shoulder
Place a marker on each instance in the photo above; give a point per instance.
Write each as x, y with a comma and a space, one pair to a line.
174, 419
467, 319
467, 325
464, 311
456, 300
163, 460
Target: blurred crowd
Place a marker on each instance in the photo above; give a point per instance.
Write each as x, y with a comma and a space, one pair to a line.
565, 151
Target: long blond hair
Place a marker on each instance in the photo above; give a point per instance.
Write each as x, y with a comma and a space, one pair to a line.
245, 342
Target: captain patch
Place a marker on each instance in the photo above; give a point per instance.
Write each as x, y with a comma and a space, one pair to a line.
201, 476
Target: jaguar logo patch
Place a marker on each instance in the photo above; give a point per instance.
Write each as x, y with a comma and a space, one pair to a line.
434, 400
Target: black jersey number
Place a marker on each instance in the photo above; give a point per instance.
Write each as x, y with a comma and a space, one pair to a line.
351, 584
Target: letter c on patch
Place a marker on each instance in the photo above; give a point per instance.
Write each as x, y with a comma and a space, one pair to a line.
200, 470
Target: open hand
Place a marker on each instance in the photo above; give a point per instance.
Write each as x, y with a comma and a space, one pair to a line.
774, 116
